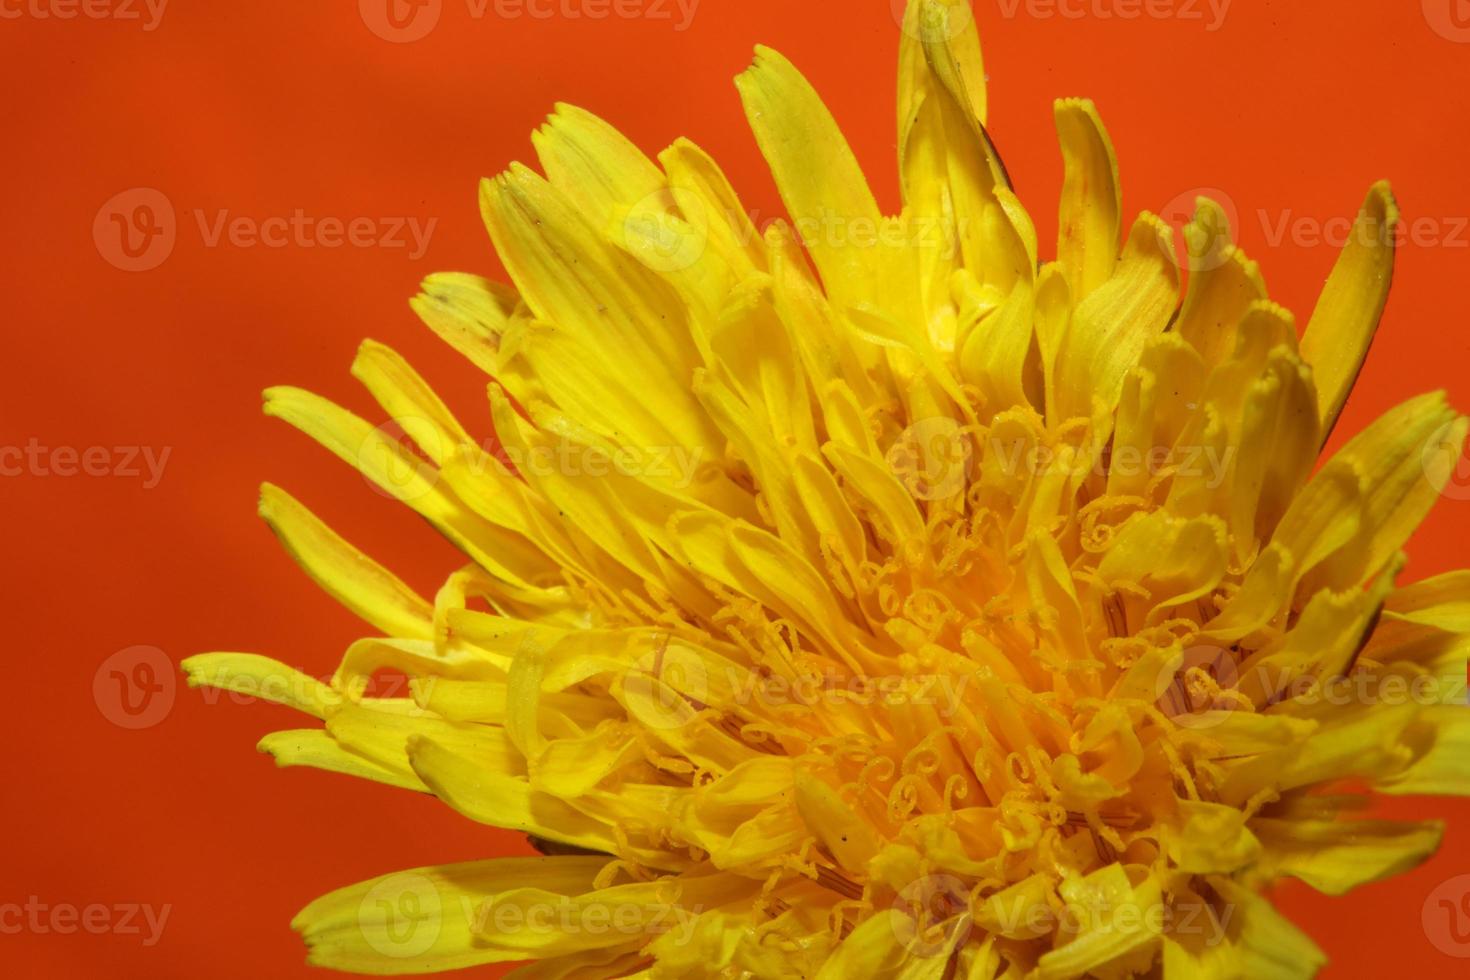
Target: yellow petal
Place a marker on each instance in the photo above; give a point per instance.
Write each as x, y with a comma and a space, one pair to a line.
818, 177
1265, 944
1090, 228
426, 919
260, 677
314, 748
1336, 856
469, 313
1337, 338
1441, 737
595, 165
1223, 284
349, 576
1110, 328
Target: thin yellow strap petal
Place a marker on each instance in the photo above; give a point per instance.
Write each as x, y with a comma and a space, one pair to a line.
1090, 228
260, 677
1336, 340
1110, 328
1223, 284
345, 573
315, 749
819, 178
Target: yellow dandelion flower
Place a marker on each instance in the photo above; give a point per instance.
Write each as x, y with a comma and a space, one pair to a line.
862, 597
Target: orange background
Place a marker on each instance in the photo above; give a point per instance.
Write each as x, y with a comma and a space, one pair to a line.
265, 107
